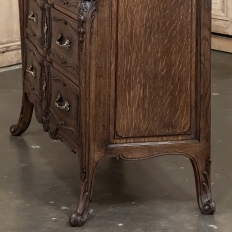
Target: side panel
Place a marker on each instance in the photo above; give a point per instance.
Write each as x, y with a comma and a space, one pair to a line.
154, 73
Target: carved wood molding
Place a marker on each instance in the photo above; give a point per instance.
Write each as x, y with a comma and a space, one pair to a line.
219, 10
86, 14
63, 62
208, 204
69, 4
65, 23
62, 123
37, 95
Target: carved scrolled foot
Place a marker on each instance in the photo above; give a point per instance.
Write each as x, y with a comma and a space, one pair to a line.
209, 207
203, 184
79, 217
24, 119
13, 129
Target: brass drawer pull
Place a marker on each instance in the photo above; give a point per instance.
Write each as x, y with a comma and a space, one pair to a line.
66, 44
59, 101
33, 17
32, 71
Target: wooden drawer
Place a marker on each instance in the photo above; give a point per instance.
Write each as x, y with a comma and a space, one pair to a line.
33, 77
34, 69
64, 43
35, 22
70, 5
64, 105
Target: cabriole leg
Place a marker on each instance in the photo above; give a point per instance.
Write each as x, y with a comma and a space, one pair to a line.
79, 217
25, 117
203, 185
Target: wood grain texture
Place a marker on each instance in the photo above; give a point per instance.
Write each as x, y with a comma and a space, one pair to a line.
67, 29
35, 29
142, 88
154, 63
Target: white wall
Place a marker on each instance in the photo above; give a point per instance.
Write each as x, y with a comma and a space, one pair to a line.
9, 33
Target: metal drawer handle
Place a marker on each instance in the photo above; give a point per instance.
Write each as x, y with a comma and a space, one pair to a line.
33, 17
32, 71
59, 101
66, 44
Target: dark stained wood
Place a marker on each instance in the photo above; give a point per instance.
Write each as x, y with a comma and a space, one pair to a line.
127, 79
70, 7
24, 118
65, 49
153, 68
35, 18
35, 21
65, 110
33, 74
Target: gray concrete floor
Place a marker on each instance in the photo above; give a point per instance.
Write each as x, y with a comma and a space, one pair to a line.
39, 183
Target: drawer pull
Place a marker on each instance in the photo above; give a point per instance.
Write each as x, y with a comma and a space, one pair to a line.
33, 17
66, 44
59, 101
32, 71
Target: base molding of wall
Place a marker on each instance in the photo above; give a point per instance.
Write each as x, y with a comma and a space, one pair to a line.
221, 43
10, 54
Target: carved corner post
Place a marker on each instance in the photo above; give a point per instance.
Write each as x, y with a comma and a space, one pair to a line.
87, 156
202, 163
27, 106
203, 186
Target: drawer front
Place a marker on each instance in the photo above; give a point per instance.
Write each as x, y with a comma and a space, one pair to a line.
34, 70
35, 18
70, 5
64, 105
33, 77
64, 45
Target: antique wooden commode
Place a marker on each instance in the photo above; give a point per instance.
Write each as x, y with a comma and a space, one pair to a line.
121, 78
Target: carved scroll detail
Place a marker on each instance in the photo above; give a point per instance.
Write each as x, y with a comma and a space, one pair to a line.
86, 13
208, 204
67, 4
79, 217
65, 23
54, 134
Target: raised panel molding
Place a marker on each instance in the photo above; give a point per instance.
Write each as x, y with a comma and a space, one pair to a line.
219, 9
222, 16
141, 110
10, 54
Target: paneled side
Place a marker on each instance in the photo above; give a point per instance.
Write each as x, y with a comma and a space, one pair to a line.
155, 68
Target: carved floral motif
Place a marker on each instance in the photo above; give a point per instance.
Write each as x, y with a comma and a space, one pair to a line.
208, 204
86, 13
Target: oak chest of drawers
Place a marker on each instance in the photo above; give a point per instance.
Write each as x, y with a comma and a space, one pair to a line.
122, 78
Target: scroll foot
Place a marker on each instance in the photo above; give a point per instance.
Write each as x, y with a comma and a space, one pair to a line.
203, 184
25, 117
79, 217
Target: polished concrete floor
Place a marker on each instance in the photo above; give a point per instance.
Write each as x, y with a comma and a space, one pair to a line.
39, 182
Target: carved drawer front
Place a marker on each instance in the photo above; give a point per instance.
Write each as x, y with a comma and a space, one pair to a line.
64, 45
34, 69
36, 24
33, 77
71, 5
64, 106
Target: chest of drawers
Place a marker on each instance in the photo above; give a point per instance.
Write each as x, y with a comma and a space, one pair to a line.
126, 79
